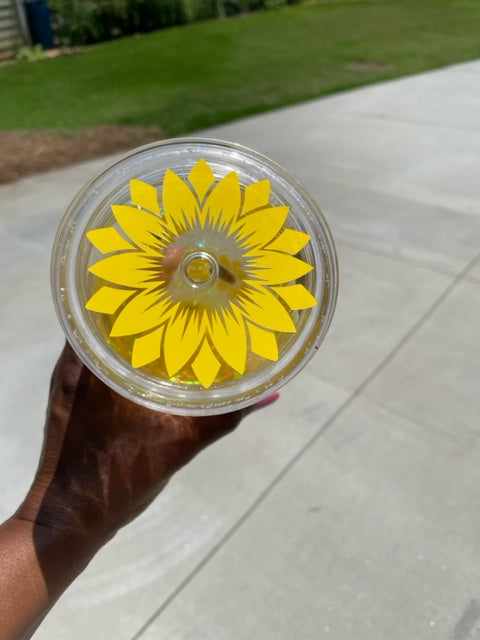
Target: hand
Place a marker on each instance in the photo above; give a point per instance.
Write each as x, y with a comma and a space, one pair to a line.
105, 458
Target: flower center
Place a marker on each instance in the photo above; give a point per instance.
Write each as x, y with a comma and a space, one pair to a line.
199, 269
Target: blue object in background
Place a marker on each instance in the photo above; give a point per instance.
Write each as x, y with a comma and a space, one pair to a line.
38, 20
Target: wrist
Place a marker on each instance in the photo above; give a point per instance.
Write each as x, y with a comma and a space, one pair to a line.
66, 521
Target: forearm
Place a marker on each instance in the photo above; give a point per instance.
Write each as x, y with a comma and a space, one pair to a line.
24, 598
27, 555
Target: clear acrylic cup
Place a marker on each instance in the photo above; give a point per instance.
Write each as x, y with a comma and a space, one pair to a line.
194, 276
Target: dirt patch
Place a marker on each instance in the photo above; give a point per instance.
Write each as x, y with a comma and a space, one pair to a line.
24, 152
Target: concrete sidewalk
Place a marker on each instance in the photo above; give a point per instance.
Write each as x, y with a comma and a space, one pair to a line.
350, 509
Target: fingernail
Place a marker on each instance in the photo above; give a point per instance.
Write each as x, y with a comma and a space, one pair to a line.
273, 397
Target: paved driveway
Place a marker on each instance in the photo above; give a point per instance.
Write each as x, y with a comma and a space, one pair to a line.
350, 509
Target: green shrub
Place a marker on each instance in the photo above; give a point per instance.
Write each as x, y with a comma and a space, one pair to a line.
197, 10
30, 54
148, 15
78, 22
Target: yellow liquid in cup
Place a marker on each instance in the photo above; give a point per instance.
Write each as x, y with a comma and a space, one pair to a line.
204, 271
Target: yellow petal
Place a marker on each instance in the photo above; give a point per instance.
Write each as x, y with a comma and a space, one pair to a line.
131, 269
260, 227
296, 296
108, 240
229, 338
223, 204
201, 178
142, 227
108, 299
290, 241
264, 309
144, 195
277, 268
179, 203
256, 195
182, 338
263, 343
144, 312
147, 348
206, 365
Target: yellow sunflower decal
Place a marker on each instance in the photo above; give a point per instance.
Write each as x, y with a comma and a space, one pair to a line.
203, 280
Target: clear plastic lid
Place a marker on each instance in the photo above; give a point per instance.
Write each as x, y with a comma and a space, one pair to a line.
194, 276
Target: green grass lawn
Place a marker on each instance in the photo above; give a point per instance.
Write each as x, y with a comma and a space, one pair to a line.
202, 74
